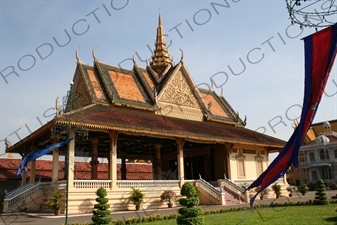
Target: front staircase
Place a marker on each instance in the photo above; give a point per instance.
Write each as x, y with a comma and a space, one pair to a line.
18, 199
233, 191
230, 198
227, 194
29, 197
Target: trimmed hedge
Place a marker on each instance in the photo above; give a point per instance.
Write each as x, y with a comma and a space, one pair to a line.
320, 195
101, 214
191, 214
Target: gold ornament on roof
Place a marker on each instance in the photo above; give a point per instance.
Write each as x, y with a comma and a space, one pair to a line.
160, 58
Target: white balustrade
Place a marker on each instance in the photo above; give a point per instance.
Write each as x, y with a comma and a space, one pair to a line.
214, 193
23, 194
126, 183
147, 183
92, 183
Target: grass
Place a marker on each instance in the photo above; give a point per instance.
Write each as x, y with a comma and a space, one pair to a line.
307, 215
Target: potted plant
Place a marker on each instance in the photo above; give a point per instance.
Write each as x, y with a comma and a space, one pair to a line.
277, 189
55, 202
290, 189
168, 196
303, 189
257, 189
136, 197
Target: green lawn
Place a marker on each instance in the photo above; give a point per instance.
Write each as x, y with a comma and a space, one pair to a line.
278, 215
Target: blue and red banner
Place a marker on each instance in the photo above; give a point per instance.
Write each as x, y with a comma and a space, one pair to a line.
320, 52
40, 152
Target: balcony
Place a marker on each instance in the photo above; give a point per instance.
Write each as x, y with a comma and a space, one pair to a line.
317, 163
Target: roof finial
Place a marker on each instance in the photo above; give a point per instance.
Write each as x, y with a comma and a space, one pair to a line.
182, 54
159, 20
77, 56
160, 58
93, 53
134, 60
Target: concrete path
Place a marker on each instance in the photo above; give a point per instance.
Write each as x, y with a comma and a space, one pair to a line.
49, 219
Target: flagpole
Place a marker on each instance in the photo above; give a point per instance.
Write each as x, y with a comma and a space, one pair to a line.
68, 150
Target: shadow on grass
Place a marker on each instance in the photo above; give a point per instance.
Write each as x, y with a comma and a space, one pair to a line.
332, 219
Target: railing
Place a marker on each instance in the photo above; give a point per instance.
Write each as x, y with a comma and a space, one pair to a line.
57, 185
210, 189
147, 184
62, 184
17, 191
231, 185
233, 188
92, 183
11, 199
316, 162
125, 183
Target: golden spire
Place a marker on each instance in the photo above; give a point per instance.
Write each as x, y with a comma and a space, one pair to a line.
160, 58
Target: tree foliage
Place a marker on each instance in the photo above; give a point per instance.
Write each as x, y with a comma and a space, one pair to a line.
101, 214
320, 195
191, 214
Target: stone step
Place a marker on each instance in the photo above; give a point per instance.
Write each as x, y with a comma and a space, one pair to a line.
230, 198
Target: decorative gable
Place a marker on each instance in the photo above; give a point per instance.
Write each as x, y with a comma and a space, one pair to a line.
178, 92
177, 98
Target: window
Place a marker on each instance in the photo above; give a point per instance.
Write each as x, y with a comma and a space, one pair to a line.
259, 167
324, 154
314, 176
301, 157
312, 157
241, 168
326, 173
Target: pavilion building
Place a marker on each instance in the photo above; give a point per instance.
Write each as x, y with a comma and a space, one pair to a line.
157, 114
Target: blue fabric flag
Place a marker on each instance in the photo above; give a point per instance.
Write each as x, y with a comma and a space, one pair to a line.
38, 153
320, 51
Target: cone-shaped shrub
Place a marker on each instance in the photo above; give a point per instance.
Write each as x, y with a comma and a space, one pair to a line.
191, 214
101, 214
320, 198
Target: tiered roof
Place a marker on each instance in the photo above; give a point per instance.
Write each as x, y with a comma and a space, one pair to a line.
145, 88
160, 100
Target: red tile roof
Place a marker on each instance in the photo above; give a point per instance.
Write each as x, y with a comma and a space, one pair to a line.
126, 86
96, 87
148, 79
105, 117
215, 107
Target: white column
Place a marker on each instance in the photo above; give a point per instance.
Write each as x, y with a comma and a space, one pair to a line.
71, 161
55, 173
113, 159
285, 179
307, 155
180, 160
316, 152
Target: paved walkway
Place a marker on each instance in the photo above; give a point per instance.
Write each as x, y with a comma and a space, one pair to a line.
49, 219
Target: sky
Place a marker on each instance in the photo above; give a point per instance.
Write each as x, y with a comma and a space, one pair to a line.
247, 49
